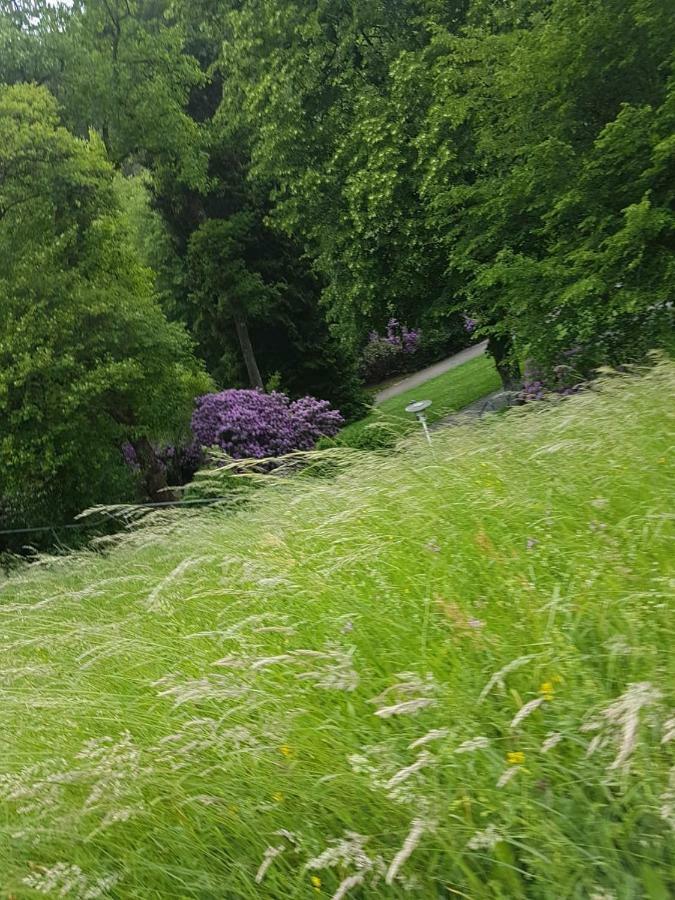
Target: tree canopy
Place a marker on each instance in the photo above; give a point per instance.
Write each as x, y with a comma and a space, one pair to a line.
280, 178
87, 357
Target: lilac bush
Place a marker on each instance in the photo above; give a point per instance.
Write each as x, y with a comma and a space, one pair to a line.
388, 354
249, 424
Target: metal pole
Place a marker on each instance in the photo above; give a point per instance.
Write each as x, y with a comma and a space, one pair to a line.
423, 422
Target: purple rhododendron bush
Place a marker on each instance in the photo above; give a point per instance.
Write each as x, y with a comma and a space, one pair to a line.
249, 424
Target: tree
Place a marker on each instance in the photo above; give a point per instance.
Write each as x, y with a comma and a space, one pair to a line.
87, 358
144, 73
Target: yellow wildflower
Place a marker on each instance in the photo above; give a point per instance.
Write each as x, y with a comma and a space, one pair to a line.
515, 758
316, 883
547, 690
278, 797
285, 750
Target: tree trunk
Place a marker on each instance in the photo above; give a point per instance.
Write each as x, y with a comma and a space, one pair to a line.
241, 325
500, 348
154, 473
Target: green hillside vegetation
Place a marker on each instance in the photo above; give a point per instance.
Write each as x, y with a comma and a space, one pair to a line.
443, 672
448, 393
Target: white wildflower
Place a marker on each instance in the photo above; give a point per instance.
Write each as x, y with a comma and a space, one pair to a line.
477, 743
435, 734
417, 829
601, 894
551, 740
668, 730
423, 760
486, 839
507, 775
269, 856
526, 710
498, 677
346, 851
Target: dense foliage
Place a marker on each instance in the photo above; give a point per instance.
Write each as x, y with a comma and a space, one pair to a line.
513, 161
296, 173
442, 673
87, 358
251, 424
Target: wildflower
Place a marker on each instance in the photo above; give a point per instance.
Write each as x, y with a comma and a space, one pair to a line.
547, 690
515, 758
286, 751
532, 543
485, 840
316, 883
278, 797
475, 623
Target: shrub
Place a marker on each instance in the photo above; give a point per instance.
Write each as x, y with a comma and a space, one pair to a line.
249, 424
389, 354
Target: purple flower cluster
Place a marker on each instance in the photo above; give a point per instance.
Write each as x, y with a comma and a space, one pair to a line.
129, 455
470, 324
532, 390
405, 339
248, 424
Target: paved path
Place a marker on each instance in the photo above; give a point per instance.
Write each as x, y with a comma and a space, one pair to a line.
490, 403
413, 381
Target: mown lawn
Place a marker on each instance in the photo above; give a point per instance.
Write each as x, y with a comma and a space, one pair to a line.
443, 672
448, 392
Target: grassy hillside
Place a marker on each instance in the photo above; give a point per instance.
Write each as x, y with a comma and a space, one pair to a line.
447, 672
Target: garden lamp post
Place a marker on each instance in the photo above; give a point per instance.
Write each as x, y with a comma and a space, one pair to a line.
417, 409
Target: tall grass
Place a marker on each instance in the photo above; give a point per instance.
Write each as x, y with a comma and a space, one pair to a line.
446, 672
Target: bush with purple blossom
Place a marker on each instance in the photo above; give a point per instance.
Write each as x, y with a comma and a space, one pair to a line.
388, 354
248, 424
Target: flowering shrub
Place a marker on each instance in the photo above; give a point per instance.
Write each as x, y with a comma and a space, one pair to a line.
249, 424
470, 324
388, 354
563, 380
